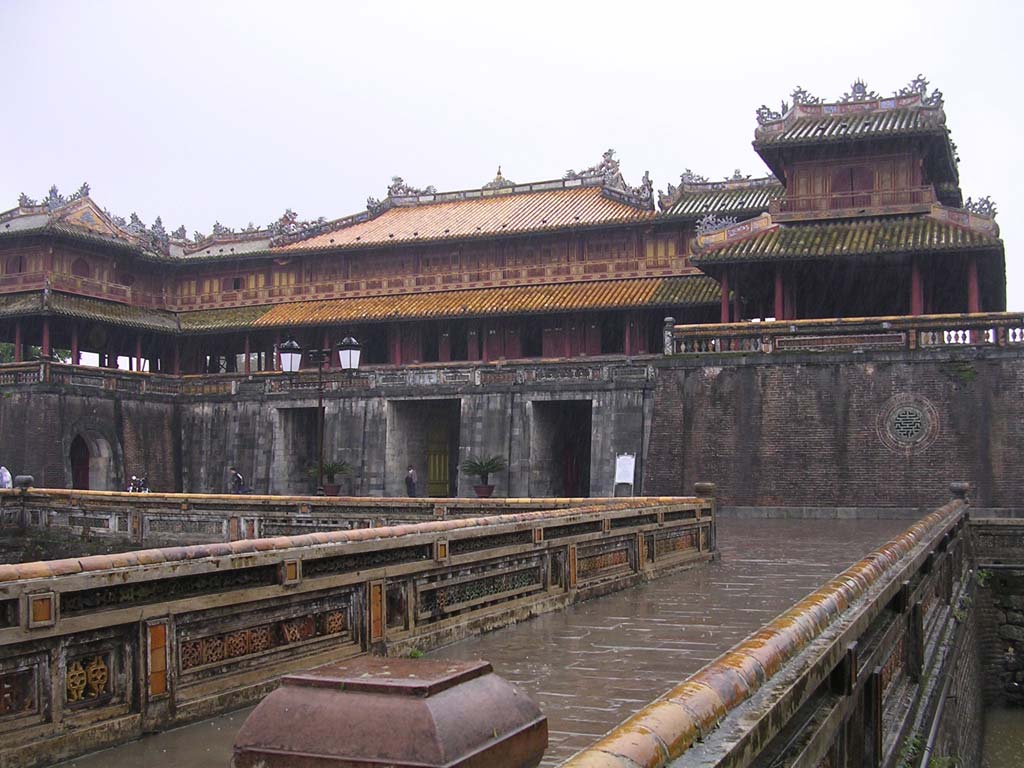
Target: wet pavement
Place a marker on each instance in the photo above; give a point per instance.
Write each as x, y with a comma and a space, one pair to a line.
593, 665
1004, 738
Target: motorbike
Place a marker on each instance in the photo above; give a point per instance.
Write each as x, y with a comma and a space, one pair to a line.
138, 484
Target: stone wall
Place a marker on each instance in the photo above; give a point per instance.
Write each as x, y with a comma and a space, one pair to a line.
840, 430
999, 550
879, 430
133, 436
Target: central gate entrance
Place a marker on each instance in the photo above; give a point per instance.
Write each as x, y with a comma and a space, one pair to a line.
560, 436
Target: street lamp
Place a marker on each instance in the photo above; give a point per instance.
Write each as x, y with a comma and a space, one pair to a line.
291, 357
348, 354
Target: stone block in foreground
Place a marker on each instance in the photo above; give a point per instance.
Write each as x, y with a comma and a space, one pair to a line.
396, 712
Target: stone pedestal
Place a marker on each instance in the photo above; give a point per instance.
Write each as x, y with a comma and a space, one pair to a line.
375, 711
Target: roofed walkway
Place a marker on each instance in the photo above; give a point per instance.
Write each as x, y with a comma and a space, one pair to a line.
593, 665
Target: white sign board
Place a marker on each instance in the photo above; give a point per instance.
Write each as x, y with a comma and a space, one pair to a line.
624, 467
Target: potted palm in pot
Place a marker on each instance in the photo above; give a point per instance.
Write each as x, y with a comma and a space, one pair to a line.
483, 468
331, 470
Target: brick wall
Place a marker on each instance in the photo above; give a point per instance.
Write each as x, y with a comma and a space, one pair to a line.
38, 427
810, 430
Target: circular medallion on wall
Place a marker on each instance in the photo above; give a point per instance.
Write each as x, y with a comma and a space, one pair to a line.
908, 424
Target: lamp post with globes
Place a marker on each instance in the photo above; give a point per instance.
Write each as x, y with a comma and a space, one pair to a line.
291, 359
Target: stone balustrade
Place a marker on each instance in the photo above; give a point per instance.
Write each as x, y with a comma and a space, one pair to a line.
606, 371
1000, 329
847, 675
97, 650
165, 519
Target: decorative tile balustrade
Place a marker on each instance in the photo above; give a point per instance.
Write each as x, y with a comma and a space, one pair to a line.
849, 334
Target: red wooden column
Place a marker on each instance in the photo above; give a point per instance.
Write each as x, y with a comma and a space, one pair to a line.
138, 352
973, 298
177, 357
780, 310
277, 351
395, 344
327, 345
75, 357
444, 345
45, 345
916, 292
473, 342
17, 341
737, 314
248, 365
725, 297
513, 342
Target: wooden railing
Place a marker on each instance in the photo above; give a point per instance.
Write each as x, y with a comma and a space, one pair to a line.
1004, 329
96, 650
81, 286
853, 203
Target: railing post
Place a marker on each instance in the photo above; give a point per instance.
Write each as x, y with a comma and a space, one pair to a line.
707, 491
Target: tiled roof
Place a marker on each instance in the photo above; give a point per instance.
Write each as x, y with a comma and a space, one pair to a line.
857, 237
15, 304
849, 126
221, 319
111, 312
481, 217
565, 297
699, 200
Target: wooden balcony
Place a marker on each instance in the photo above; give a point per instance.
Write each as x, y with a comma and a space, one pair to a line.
996, 329
81, 286
846, 204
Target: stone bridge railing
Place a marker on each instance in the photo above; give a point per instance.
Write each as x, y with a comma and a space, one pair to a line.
164, 519
846, 334
384, 377
850, 675
97, 650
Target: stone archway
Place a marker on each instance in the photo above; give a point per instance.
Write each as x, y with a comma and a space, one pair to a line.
92, 466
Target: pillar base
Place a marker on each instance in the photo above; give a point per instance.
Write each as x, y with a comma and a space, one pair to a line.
396, 712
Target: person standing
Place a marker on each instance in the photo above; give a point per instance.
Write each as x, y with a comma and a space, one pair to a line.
5, 477
235, 481
410, 482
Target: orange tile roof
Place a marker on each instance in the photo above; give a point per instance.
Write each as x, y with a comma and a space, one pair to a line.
549, 298
485, 216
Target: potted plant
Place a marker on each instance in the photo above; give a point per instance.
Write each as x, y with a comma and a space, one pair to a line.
483, 468
331, 470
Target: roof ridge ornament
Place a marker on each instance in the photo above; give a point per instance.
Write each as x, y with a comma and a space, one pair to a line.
803, 96
710, 222
859, 92
399, 188
607, 169
983, 206
498, 182
919, 86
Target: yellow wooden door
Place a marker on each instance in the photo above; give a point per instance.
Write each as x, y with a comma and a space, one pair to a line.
437, 461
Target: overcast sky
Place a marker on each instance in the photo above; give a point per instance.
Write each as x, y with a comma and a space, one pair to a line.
232, 112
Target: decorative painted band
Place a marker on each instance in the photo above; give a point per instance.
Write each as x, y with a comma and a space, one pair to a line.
663, 730
157, 559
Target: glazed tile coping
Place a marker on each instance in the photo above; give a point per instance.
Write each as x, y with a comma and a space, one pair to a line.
666, 728
45, 569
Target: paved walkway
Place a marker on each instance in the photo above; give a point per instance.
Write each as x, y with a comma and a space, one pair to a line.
593, 665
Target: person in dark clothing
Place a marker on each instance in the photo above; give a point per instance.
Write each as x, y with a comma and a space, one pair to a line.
410, 482
235, 481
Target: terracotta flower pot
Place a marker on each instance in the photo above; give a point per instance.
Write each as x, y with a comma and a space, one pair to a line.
483, 491
332, 489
